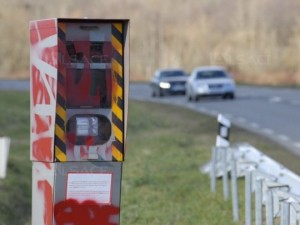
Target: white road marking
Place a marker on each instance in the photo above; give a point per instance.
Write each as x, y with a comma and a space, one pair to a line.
268, 131
214, 112
191, 105
295, 102
297, 144
228, 115
254, 125
203, 109
275, 99
241, 120
283, 137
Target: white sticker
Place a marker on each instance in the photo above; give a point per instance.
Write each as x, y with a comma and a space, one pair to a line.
90, 186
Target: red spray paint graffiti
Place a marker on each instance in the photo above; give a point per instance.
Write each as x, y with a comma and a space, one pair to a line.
46, 188
43, 40
88, 212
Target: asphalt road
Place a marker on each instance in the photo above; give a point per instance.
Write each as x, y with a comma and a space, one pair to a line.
271, 112
20, 85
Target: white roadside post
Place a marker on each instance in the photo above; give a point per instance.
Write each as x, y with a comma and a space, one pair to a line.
285, 212
276, 187
222, 142
272, 200
248, 194
224, 152
4, 152
234, 189
213, 169
269, 208
224, 131
289, 207
295, 213
258, 200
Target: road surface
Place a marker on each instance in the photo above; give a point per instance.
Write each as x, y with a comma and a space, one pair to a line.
271, 112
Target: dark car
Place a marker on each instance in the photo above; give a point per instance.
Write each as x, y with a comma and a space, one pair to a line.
168, 82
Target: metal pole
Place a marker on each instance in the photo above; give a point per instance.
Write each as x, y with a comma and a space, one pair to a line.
234, 190
213, 169
293, 215
269, 208
258, 201
285, 213
248, 197
225, 173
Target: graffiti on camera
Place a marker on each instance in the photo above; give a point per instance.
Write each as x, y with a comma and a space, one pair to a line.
89, 212
44, 75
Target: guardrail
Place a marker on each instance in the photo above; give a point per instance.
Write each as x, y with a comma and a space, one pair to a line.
273, 186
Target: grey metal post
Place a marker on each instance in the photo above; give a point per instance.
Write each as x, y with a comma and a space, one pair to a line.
213, 169
285, 213
248, 197
234, 190
258, 201
293, 215
269, 208
225, 173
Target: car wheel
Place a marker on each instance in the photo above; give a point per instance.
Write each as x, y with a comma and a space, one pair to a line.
228, 96
153, 93
232, 96
161, 93
189, 97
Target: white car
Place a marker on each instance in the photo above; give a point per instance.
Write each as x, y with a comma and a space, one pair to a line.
210, 81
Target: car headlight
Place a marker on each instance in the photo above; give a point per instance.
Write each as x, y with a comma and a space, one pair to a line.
202, 88
165, 85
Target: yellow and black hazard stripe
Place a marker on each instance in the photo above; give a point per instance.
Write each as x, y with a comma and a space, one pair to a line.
117, 92
61, 115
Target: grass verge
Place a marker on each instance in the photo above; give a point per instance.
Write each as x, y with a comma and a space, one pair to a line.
161, 180
15, 189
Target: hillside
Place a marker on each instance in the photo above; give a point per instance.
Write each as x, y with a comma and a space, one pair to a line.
258, 40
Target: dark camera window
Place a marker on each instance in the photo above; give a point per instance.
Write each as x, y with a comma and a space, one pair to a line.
89, 88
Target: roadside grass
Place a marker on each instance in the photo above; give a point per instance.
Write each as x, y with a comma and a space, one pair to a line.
161, 183
161, 179
15, 189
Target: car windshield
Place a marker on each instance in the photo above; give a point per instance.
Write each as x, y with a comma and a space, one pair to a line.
211, 74
174, 73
